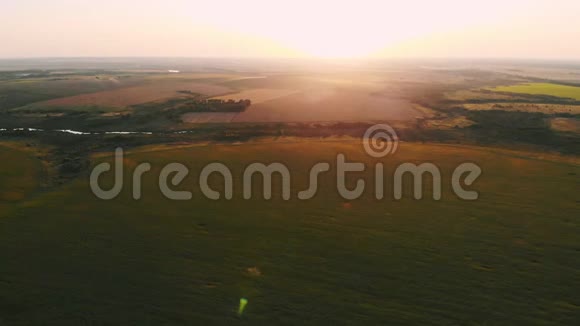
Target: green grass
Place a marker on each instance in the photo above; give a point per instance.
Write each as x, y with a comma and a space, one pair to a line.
509, 258
542, 89
19, 173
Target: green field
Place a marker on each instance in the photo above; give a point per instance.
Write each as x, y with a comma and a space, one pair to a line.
542, 89
19, 173
510, 257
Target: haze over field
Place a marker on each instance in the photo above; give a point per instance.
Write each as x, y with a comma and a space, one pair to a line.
258, 28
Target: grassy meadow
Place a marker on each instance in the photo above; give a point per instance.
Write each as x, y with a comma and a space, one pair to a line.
510, 257
549, 89
20, 173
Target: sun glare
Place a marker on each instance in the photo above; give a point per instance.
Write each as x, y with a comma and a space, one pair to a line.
350, 29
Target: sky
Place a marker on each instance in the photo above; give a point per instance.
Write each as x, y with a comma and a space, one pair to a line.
538, 29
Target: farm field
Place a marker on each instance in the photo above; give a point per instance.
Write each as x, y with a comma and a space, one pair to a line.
330, 104
509, 257
565, 124
114, 92
542, 89
321, 80
16, 93
209, 117
137, 95
152, 98
526, 107
568, 74
480, 95
258, 95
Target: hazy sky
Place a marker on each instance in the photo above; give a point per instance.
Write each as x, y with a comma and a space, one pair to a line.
262, 28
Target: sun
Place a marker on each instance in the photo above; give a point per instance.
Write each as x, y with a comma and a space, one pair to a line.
328, 47
333, 39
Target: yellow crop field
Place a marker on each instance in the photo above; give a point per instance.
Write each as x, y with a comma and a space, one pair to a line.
557, 90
